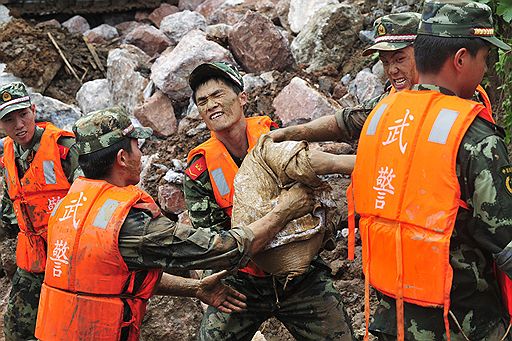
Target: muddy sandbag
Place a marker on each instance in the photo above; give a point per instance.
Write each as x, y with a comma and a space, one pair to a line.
269, 168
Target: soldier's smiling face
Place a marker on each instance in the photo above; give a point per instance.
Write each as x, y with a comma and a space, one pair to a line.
400, 67
20, 125
219, 105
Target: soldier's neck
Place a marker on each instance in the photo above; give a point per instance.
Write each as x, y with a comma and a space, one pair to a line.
442, 80
235, 139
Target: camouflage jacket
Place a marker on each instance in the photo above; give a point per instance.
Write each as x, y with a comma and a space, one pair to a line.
162, 243
24, 158
481, 237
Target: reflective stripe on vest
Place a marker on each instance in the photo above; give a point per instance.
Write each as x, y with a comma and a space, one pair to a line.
35, 195
219, 179
442, 126
86, 275
407, 206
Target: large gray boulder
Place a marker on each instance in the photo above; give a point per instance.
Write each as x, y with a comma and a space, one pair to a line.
326, 41
301, 11
94, 95
176, 25
171, 70
125, 81
51, 110
366, 85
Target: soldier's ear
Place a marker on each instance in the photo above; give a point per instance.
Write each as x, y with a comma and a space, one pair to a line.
121, 157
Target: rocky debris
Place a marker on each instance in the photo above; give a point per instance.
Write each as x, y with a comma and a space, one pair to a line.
219, 33
328, 38
171, 199
149, 39
282, 9
253, 82
191, 5
5, 16
49, 23
147, 162
171, 70
300, 12
157, 113
49, 109
161, 12
378, 70
190, 119
175, 26
299, 102
126, 27
101, 34
77, 24
208, 7
94, 95
258, 45
366, 86
126, 82
171, 318
6, 77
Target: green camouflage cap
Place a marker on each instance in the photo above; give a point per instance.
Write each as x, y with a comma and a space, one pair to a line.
460, 19
215, 69
394, 32
103, 128
13, 96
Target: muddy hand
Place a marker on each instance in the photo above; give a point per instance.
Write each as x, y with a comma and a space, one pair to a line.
296, 202
215, 293
278, 135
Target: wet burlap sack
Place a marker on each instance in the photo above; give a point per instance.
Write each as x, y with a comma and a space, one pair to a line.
269, 168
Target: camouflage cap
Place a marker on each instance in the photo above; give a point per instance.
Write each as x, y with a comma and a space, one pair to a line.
13, 96
103, 128
460, 19
394, 32
215, 69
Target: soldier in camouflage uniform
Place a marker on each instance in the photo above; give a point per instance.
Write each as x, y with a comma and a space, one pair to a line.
308, 305
394, 37
20, 317
460, 33
107, 136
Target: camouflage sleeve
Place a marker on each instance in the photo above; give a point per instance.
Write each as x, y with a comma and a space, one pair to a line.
487, 179
162, 243
203, 210
351, 120
8, 217
70, 163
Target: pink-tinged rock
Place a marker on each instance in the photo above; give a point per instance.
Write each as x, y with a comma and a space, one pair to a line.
157, 113
142, 16
175, 26
171, 199
126, 83
76, 24
171, 70
94, 95
258, 45
161, 12
48, 23
191, 5
299, 102
219, 33
101, 34
149, 39
126, 27
208, 7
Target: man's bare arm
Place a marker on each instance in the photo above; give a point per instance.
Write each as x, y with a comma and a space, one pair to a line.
327, 163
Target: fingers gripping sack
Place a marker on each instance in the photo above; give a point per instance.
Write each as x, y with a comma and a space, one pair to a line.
266, 171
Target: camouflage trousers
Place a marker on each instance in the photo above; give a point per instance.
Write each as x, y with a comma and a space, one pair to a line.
495, 335
20, 317
309, 307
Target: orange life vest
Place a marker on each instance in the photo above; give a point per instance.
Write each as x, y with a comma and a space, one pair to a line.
407, 207
222, 169
35, 195
487, 103
87, 283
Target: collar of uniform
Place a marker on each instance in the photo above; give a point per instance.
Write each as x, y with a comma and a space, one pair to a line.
432, 87
22, 153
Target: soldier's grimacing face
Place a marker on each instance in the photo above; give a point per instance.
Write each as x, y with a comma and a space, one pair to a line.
20, 125
219, 106
400, 67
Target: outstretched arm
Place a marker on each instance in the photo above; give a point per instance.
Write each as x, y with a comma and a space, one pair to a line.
209, 290
322, 129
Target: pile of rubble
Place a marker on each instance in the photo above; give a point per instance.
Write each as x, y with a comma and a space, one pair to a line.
301, 60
